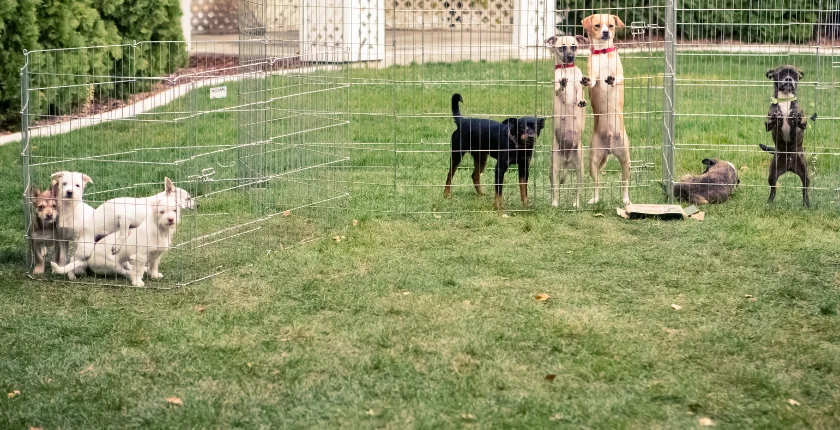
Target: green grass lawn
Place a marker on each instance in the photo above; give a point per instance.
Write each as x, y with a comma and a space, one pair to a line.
430, 320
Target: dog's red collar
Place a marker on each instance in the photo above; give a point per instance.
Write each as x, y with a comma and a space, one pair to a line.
604, 51
563, 66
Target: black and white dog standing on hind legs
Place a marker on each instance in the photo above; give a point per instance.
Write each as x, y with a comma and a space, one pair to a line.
786, 123
509, 142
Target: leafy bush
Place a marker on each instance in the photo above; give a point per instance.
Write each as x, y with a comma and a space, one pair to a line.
51, 24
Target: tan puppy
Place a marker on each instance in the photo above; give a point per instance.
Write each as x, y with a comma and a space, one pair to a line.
569, 114
43, 230
607, 96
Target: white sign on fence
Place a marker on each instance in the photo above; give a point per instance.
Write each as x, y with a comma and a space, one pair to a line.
218, 92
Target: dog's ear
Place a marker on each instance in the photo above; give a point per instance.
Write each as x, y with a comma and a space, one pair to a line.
800, 72
581, 40
618, 22
709, 162
34, 192
168, 186
511, 122
86, 179
540, 124
56, 176
54, 187
550, 41
587, 23
771, 74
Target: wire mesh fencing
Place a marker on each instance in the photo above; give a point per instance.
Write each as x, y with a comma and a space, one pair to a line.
286, 133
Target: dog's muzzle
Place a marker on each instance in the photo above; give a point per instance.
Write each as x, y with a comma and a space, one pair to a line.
605, 35
69, 194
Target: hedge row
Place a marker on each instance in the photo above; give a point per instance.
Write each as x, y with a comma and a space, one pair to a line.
747, 21
49, 24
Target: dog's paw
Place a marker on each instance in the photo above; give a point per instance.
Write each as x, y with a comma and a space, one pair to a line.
576, 204
138, 283
114, 250
626, 201
71, 276
156, 275
582, 103
563, 82
610, 80
555, 203
55, 266
585, 81
38, 270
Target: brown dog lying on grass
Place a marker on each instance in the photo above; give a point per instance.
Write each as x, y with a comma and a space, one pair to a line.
714, 185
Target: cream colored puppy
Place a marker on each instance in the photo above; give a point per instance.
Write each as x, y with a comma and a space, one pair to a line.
75, 218
569, 114
143, 247
607, 96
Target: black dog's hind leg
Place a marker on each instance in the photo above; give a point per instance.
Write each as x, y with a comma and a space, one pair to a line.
453, 166
480, 161
801, 169
775, 168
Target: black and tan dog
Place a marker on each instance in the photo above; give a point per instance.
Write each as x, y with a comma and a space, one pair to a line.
786, 123
509, 142
714, 185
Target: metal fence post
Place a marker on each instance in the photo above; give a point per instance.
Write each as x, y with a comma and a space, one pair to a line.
669, 102
24, 153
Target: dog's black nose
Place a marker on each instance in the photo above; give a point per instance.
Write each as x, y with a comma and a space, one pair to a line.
69, 194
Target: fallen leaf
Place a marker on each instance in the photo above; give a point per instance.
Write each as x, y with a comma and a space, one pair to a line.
748, 296
86, 370
405, 293
556, 417
437, 216
699, 216
676, 307
670, 331
468, 416
287, 212
599, 215
793, 402
550, 377
744, 168
371, 412
337, 238
248, 363
542, 297
14, 394
200, 309
706, 422
505, 216
175, 401
466, 302
284, 354
355, 222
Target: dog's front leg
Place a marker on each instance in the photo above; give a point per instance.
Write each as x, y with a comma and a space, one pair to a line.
797, 117
524, 170
138, 267
501, 168
555, 170
39, 251
774, 117
154, 264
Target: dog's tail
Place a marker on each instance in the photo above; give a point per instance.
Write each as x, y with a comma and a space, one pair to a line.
767, 148
456, 110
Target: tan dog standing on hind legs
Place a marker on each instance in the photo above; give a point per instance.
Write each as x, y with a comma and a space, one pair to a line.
607, 97
569, 114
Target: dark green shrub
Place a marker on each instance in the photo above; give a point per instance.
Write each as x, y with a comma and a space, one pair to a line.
51, 24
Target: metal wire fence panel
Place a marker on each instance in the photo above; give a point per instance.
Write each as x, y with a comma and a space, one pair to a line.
286, 133
247, 136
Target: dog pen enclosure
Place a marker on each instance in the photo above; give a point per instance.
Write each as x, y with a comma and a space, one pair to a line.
343, 107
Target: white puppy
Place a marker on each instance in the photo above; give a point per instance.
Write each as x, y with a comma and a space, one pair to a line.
75, 218
144, 246
118, 215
